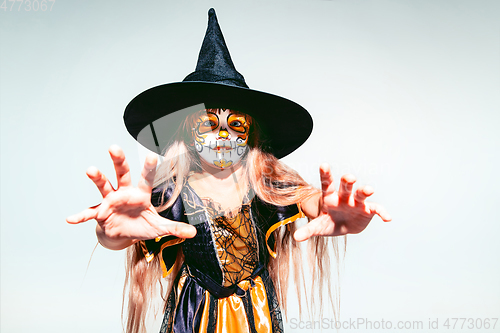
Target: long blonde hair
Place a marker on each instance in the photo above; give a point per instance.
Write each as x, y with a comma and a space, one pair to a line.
274, 183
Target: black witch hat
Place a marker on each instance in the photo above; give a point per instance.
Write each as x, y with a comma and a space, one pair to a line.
154, 116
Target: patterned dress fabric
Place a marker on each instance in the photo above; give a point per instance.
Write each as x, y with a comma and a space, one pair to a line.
223, 285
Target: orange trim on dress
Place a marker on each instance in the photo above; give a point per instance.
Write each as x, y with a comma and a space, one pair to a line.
150, 255
172, 242
275, 226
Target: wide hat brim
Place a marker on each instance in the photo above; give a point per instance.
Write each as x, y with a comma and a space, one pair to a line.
283, 124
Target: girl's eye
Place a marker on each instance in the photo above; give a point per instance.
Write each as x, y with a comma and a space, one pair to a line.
209, 123
236, 123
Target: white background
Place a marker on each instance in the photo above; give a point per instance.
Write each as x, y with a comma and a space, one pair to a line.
404, 94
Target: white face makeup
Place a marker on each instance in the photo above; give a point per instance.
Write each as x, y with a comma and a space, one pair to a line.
221, 137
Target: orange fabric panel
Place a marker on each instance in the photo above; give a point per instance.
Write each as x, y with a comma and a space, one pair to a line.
204, 317
260, 307
231, 315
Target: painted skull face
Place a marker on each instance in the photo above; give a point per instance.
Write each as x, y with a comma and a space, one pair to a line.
221, 137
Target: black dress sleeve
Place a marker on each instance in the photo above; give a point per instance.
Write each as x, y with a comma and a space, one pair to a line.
165, 246
270, 217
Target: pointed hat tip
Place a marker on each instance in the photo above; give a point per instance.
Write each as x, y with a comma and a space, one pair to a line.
211, 12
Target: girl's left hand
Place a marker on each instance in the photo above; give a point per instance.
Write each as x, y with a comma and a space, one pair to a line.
341, 212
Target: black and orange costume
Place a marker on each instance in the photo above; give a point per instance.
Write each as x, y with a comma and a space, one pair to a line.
223, 285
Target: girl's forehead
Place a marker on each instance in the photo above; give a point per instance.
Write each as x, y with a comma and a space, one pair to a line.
223, 111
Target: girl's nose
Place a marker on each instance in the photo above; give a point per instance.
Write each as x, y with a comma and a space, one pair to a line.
223, 133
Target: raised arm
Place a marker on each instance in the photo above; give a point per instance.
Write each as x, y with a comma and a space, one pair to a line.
126, 214
336, 213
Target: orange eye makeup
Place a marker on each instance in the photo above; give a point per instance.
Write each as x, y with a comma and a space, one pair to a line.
238, 123
207, 123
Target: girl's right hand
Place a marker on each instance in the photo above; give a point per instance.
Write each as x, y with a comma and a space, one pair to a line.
126, 214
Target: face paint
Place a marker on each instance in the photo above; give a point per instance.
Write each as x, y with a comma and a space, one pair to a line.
221, 137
